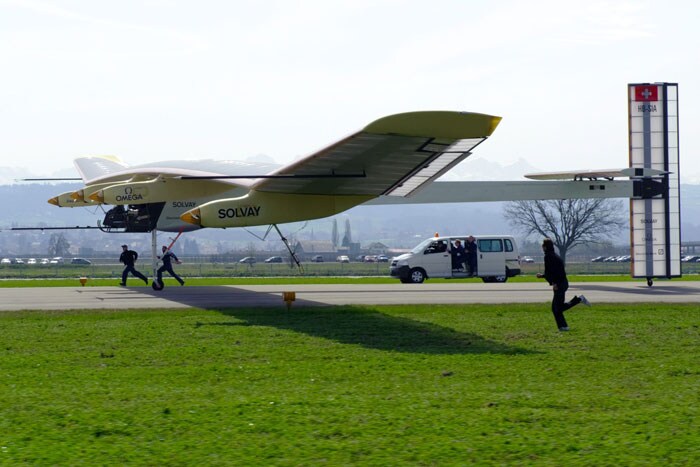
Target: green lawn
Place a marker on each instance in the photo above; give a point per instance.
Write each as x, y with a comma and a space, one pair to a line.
375, 385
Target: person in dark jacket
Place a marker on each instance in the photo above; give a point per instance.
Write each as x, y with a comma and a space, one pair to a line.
470, 249
168, 258
458, 255
129, 257
555, 274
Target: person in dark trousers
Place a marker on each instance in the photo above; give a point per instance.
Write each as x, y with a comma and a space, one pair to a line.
129, 257
458, 255
470, 249
555, 274
168, 258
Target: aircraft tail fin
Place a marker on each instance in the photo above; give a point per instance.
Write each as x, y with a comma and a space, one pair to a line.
92, 167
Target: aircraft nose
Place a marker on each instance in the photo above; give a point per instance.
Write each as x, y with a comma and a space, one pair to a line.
193, 216
54, 201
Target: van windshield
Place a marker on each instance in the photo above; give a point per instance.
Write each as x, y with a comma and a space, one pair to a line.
422, 246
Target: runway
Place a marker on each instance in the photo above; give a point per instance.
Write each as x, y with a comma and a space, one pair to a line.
218, 297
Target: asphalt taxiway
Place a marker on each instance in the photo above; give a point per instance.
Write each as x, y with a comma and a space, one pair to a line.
218, 297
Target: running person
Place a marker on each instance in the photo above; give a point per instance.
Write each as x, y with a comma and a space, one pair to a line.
168, 258
129, 257
555, 274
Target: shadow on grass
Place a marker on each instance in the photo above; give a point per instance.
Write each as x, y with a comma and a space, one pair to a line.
370, 328
359, 325
656, 290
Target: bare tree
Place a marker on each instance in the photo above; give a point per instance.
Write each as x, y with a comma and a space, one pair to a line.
568, 222
58, 245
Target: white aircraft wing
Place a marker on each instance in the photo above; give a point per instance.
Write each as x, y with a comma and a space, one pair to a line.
392, 156
104, 169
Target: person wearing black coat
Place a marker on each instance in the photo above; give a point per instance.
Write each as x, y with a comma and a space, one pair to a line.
555, 274
129, 257
470, 249
458, 255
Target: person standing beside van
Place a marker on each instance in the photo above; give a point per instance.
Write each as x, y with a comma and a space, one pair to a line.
470, 250
555, 274
458, 255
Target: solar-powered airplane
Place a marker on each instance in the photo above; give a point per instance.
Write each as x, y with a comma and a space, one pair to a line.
395, 159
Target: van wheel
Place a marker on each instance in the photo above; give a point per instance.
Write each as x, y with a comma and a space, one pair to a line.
417, 276
488, 279
500, 278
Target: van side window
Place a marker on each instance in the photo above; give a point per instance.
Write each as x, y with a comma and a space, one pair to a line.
509, 244
436, 247
490, 245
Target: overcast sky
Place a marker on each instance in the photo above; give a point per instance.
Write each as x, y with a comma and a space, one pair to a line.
160, 79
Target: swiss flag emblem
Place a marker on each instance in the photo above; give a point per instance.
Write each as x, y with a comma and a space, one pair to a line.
646, 93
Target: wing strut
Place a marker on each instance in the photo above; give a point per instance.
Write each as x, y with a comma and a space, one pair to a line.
292, 254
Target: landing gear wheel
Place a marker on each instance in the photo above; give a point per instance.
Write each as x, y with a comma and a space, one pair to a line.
157, 285
650, 281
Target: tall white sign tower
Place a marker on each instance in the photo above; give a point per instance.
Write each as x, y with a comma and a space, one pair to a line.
655, 207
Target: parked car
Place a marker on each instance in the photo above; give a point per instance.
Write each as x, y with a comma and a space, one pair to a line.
18, 261
44, 261
598, 259
56, 260
80, 261
360, 258
247, 260
382, 259
527, 259
5, 261
690, 258
274, 259
343, 259
370, 259
317, 259
31, 261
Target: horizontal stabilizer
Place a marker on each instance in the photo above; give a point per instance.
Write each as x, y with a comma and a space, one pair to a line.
631, 172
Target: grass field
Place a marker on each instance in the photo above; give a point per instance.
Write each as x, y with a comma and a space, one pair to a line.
381, 385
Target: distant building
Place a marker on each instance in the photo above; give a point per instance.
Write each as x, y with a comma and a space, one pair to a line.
304, 248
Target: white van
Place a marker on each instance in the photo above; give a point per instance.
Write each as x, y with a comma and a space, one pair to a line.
497, 259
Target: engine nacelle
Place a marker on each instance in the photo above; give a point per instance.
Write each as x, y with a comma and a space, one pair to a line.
66, 200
